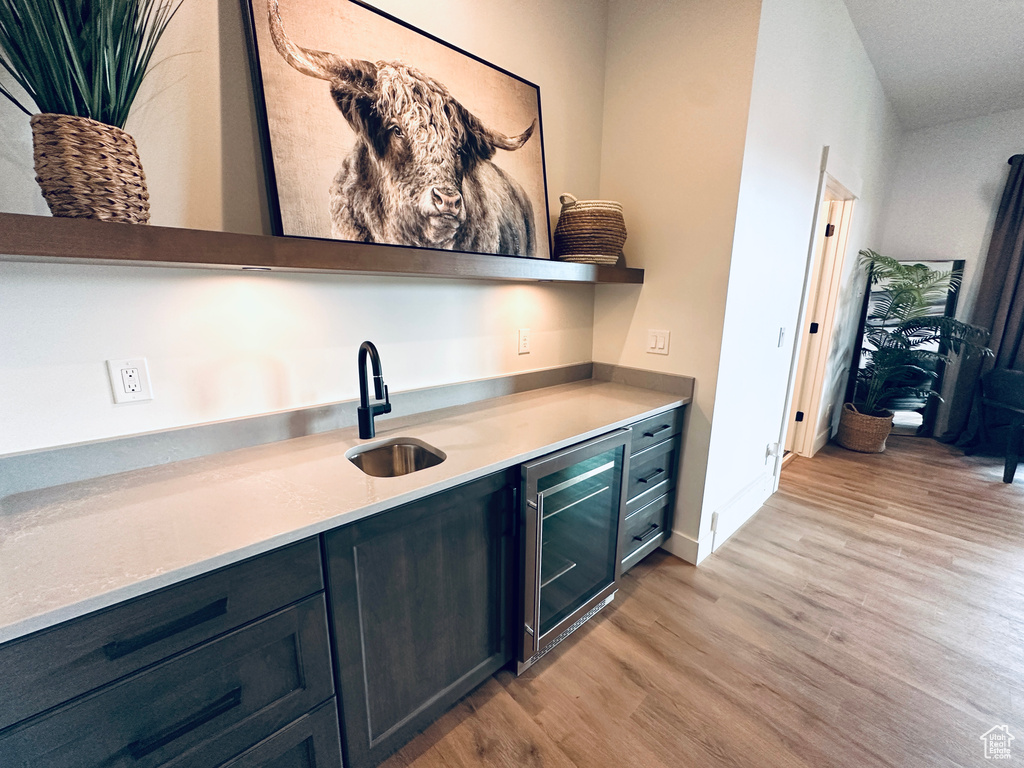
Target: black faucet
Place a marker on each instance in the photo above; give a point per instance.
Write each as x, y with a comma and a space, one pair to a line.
365, 411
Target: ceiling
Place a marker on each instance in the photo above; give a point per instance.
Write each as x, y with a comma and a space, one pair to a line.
945, 60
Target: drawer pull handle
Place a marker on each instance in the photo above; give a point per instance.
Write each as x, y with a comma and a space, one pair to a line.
658, 431
648, 533
654, 474
139, 749
118, 648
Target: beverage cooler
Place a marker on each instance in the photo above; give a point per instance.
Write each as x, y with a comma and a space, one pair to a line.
573, 505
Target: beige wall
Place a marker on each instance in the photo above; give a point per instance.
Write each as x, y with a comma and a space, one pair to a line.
677, 92
222, 344
947, 183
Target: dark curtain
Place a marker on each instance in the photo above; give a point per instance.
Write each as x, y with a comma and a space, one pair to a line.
999, 308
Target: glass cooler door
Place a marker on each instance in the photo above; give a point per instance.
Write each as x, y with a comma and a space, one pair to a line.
573, 506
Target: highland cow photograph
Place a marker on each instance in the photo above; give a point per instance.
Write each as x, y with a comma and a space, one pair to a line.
376, 132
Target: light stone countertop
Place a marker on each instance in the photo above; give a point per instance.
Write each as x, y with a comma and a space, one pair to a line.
73, 549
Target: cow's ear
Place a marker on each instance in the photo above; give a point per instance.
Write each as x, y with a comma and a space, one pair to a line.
359, 106
377, 135
476, 144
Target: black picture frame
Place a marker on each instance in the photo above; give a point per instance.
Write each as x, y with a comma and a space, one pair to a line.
293, 209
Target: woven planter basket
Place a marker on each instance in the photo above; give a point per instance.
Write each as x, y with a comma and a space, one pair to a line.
89, 170
860, 432
589, 231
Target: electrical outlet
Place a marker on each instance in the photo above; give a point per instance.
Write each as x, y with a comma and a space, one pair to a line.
129, 380
657, 342
524, 341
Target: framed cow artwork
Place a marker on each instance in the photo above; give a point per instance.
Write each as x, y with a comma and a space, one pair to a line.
377, 132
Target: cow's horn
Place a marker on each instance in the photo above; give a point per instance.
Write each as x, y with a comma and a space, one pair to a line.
501, 141
319, 64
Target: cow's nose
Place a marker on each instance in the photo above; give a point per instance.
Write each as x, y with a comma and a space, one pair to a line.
446, 202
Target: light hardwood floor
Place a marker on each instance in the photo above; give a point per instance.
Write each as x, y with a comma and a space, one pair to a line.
871, 614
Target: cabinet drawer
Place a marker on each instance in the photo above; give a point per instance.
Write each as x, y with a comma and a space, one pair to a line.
652, 468
656, 428
645, 525
194, 711
312, 741
56, 665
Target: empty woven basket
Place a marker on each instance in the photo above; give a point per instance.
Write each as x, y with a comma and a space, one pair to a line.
589, 231
87, 169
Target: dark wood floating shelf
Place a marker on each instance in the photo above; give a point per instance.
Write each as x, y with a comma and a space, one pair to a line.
45, 238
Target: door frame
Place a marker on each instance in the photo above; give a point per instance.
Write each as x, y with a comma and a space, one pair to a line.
838, 188
823, 298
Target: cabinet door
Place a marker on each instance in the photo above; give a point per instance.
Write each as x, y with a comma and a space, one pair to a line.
420, 609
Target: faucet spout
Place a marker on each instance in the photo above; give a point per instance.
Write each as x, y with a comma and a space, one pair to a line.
366, 411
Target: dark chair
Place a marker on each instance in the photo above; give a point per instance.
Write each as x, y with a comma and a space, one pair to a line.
1004, 389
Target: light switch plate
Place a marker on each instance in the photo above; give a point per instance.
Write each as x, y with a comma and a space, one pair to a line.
524, 341
129, 380
657, 342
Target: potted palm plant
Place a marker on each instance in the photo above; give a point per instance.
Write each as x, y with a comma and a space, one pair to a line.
81, 62
903, 346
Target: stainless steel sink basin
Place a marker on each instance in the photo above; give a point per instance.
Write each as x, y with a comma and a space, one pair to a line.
394, 457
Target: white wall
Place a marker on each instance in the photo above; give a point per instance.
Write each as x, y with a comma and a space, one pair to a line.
813, 86
677, 91
946, 187
222, 345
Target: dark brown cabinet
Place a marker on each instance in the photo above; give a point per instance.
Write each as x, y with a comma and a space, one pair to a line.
58, 664
188, 677
652, 473
401, 614
196, 710
309, 742
656, 429
421, 601
650, 490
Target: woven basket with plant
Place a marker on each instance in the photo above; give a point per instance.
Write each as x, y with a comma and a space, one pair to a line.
81, 62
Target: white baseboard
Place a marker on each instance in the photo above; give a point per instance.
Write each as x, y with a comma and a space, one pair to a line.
821, 439
731, 517
741, 507
687, 548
